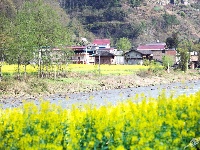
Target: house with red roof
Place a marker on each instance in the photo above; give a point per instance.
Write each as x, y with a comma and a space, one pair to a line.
102, 43
109, 54
89, 54
158, 51
81, 54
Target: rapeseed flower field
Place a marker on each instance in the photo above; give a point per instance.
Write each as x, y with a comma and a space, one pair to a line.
80, 68
165, 123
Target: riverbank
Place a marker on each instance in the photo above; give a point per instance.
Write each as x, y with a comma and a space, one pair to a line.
33, 88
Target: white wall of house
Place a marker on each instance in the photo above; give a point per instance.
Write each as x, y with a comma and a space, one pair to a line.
193, 59
118, 60
81, 57
91, 60
118, 57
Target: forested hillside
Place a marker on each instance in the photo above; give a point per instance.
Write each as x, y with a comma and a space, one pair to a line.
28, 28
140, 20
10, 10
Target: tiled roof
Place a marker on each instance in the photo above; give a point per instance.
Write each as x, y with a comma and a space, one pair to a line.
101, 41
71, 47
144, 52
151, 47
77, 47
104, 53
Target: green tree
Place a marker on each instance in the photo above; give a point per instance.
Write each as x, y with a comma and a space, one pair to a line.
184, 57
21, 46
7, 12
196, 47
167, 61
173, 41
36, 26
170, 20
123, 44
183, 51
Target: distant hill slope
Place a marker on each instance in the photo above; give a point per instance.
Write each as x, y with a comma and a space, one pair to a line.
141, 21
9, 8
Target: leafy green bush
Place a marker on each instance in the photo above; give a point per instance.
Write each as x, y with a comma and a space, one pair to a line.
182, 14
146, 62
155, 67
167, 61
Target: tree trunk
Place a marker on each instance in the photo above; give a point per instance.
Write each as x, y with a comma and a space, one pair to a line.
55, 73
39, 63
25, 73
167, 67
18, 69
0, 73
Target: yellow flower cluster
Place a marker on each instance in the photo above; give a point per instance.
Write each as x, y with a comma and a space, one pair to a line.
82, 68
11, 69
108, 69
162, 124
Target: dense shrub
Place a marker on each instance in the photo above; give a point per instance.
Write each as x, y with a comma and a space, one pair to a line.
155, 67
143, 73
146, 62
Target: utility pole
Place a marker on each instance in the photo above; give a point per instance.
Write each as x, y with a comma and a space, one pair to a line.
1, 65
98, 52
0, 72
39, 62
86, 56
99, 64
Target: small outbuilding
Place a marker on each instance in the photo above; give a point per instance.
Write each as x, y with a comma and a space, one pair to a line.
135, 57
104, 57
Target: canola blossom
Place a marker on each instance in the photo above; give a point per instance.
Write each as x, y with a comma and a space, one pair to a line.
162, 124
81, 68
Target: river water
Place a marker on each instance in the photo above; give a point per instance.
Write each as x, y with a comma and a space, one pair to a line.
105, 97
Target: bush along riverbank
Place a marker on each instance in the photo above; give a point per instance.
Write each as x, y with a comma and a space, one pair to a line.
162, 123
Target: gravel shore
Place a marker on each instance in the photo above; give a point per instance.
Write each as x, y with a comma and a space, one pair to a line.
110, 85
